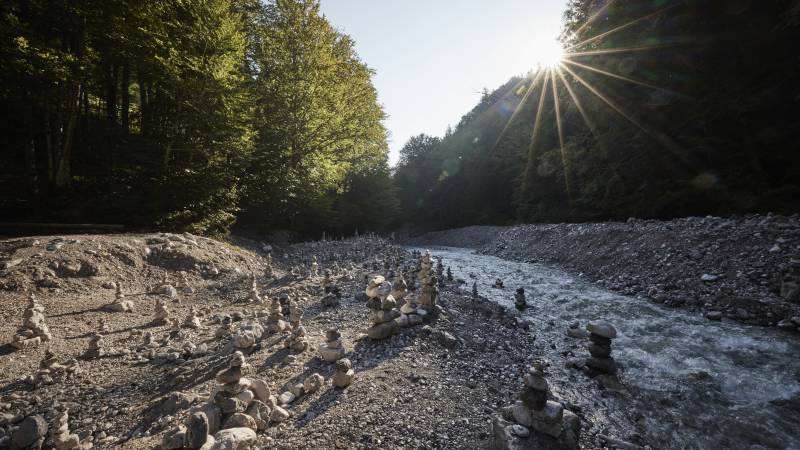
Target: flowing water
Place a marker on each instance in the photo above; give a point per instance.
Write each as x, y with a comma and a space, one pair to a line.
691, 382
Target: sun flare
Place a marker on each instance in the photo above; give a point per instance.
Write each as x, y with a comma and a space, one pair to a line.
549, 54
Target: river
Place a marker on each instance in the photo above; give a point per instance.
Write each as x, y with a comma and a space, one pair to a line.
690, 382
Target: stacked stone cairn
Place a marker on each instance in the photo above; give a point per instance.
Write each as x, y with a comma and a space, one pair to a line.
255, 297
161, 315
428, 292
332, 292
439, 271
268, 268
60, 435
382, 309
34, 331
165, 288
297, 339
191, 320
119, 304
519, 298
474, 288
449, 274
95, 349
237, 408
314, 267
344, 373
534, 412
600, 336
50, 370
399, 288
246, 338
275, 322
184, 284
332, 349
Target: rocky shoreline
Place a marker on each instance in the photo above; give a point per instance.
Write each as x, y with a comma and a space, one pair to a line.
201, 333
744, 268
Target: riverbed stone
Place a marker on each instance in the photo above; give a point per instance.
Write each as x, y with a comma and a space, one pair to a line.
601, 328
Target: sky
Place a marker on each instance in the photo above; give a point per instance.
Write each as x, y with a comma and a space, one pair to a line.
433, 57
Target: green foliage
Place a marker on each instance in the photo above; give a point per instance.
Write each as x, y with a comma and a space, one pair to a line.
177, 114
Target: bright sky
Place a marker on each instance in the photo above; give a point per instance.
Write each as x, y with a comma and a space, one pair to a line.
433, 57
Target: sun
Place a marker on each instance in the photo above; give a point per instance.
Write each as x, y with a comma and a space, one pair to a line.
549, 53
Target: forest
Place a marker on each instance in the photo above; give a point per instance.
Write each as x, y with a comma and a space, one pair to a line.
659, 109
190, 115
206, 115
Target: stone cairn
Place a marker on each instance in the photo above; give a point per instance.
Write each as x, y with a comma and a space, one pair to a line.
165, 288
344, 373
449, 274
183, 284
475, 289
297, 339
275, 322
255, 297
332, 292
382, 309
399, 288
439, 272
429, 292
519, 298
191, 320
268, 268
600, 336
332, 349
95, 349
119, 304
246, 338
34, 331
161, 314
50, 370
60, 435
314, 267
236, 409
533, 411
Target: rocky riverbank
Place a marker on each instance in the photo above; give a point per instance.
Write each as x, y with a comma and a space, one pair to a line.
739, 268
143, 335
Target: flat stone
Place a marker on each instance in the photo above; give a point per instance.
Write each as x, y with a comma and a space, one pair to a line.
278, 414
286, 398
240, 438
229, 375
260, 389
240, 420
313, 383
599, 340
602, 328
382, 330
535, 381
174, 438
343, 379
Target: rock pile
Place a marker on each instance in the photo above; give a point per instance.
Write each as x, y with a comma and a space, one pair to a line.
534, 412
246, 338
332, 349
95, 349
242, 407
297, 339
119, 304
275, 322
34, 331
191, 320
161, 314
165, 288
50, 370
382, 309
519, 299
429, 292
60, 435
255, 297
344, 373
600, 336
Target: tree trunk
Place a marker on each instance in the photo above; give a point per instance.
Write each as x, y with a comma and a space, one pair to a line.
126, 77
64, 167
